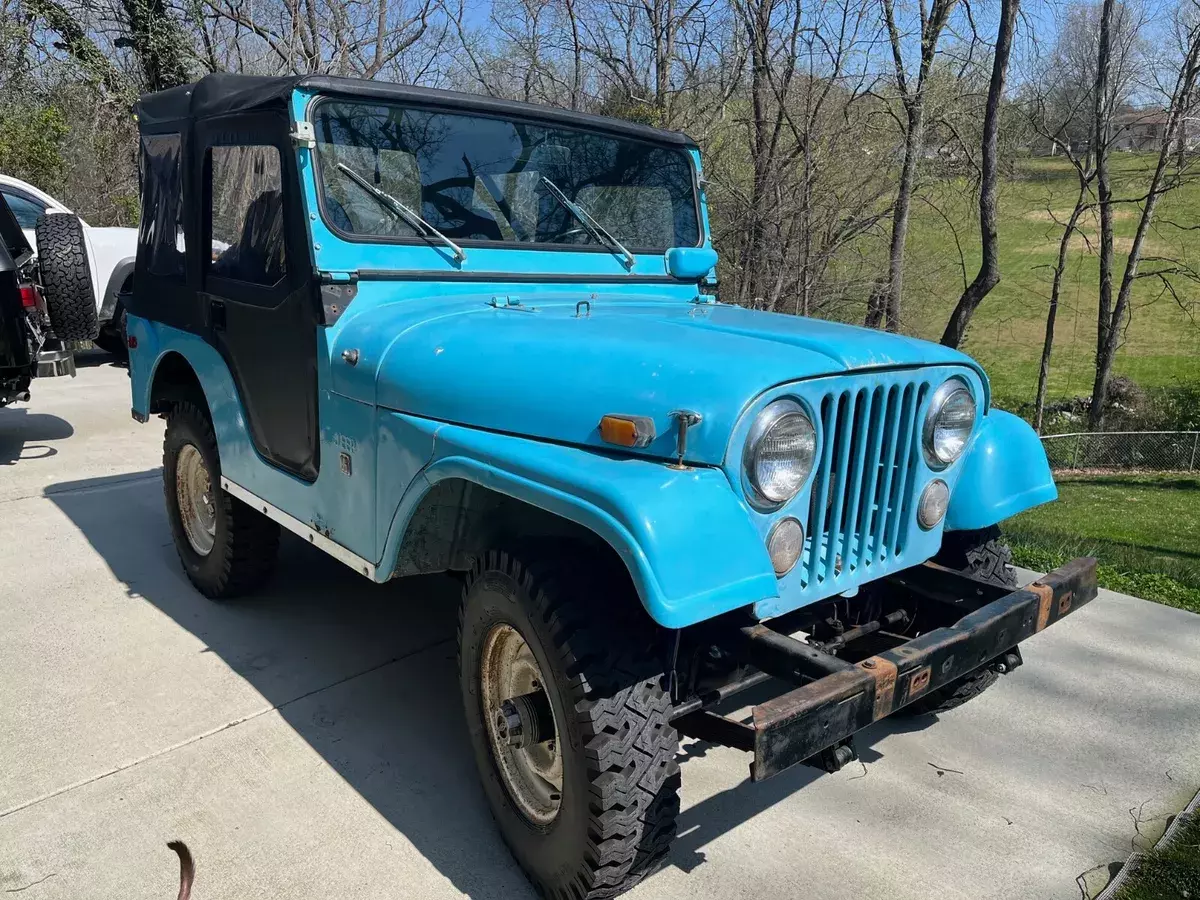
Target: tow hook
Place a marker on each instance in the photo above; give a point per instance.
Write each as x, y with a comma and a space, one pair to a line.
832, 759
1007, 662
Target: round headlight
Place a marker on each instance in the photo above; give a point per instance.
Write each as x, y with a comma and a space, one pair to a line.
785, 543
934, 500
948, 423
779, 451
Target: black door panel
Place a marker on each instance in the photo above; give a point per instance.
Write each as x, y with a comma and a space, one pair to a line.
261, 303
277, 382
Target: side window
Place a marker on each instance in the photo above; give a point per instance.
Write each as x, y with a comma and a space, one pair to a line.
246, 212
160, 235
25, 209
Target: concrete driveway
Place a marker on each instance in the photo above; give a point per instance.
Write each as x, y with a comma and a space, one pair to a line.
308, 742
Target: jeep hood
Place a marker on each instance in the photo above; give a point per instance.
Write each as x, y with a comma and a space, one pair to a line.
547, 370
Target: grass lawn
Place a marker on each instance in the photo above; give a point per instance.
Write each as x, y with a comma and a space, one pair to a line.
1170, 873
1143, 529
1162, 344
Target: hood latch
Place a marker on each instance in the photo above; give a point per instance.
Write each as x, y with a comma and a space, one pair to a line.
687, 419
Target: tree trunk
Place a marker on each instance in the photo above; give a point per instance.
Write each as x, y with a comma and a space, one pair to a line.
1060, 265
1106, 349
1100, 150
158, 42
989, 267
754, 274
885, 303
913, 145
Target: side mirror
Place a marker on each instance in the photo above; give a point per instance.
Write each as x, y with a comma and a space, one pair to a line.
690, 263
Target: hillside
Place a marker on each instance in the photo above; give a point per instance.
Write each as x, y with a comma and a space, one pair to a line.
1163, 340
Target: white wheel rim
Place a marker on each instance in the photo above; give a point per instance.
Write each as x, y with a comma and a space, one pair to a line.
197, 505
533, 775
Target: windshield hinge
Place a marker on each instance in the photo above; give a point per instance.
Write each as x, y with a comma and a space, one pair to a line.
510, 301
304, 135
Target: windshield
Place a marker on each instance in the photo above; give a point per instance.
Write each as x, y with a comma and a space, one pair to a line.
474, 178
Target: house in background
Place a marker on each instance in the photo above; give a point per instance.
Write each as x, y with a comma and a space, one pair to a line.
1142, 129
1133, 130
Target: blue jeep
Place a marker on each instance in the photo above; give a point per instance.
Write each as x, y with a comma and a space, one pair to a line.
432, 332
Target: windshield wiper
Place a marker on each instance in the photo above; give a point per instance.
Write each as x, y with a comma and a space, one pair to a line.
594, 228
390, 203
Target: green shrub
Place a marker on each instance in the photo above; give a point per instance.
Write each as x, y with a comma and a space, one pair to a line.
1177, 407
31, 140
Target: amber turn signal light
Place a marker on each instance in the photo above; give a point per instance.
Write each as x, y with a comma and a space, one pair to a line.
627, 431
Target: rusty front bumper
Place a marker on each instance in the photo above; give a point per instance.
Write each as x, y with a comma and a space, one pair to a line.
799, 725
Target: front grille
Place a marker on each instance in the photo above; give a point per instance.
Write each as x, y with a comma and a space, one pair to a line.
864, 483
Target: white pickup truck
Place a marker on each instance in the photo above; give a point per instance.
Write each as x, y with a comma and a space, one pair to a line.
84, 270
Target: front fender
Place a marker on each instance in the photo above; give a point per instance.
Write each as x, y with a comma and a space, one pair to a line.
1004, 473
683, 534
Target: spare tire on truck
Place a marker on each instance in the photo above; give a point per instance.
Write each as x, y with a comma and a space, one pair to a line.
66, 277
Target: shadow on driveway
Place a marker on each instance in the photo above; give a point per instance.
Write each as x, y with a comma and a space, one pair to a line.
365, 674
22, 433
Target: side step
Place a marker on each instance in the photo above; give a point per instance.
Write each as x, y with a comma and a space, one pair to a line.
310, 533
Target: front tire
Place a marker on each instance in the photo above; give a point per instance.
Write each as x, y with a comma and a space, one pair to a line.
605, 817
982, 554
226, 547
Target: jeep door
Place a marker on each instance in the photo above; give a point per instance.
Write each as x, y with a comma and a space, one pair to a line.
256, 282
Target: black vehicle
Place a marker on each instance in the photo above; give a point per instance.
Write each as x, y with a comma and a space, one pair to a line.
22, 311
28, 347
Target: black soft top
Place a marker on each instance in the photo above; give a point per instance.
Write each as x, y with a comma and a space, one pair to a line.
222, 93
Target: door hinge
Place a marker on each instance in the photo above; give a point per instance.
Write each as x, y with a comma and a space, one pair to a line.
304, 135
217, 314
326, 277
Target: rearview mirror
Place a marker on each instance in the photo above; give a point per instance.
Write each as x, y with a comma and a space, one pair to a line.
691, 263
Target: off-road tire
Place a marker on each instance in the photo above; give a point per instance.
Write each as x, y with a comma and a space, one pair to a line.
982, 554
246, 547
604, 673
66, 277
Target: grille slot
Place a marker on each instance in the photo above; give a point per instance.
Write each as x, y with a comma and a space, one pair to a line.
862, 489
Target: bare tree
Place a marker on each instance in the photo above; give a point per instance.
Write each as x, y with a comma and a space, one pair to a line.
366, 38
1059, 99
1113, 316
789, 188
1101, 148
989, 267
1060, 266
884, 306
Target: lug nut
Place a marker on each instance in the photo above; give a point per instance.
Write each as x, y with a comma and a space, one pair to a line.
508, 723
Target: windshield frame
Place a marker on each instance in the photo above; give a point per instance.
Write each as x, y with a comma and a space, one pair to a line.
318, 162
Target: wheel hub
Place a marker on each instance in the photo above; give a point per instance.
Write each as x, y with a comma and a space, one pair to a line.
522, 733
197, 505
525, 720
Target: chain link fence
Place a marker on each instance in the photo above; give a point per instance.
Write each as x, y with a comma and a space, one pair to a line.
1154, 451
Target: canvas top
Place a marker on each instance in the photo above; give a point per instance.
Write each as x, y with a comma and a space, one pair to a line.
222, 93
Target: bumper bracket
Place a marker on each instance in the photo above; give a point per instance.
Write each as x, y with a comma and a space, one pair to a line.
815, 720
